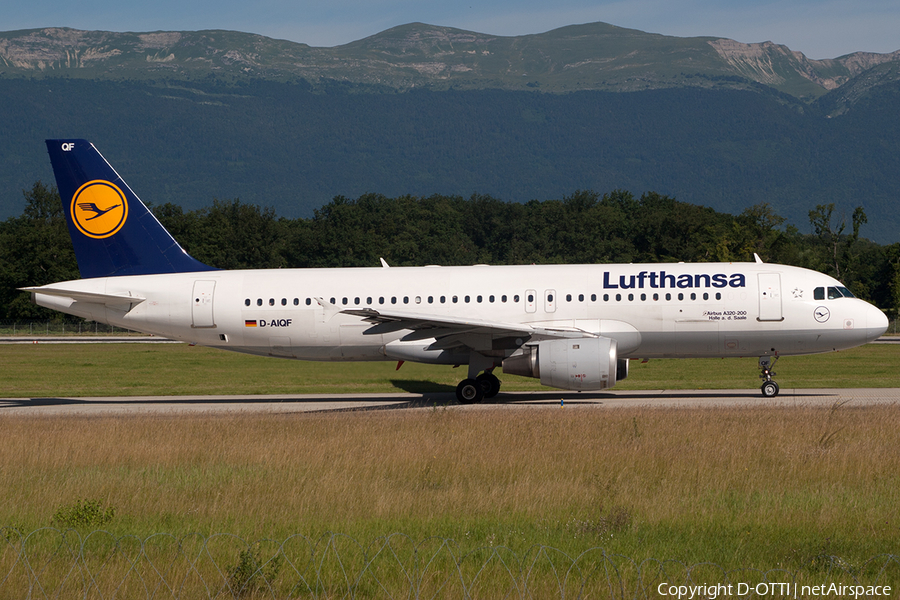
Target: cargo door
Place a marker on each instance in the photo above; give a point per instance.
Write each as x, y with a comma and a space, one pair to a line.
281, 346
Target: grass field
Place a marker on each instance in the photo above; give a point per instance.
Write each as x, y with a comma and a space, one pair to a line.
51, 370
744, 488
757, 488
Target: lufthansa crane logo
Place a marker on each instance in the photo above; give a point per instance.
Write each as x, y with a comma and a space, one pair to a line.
99, 209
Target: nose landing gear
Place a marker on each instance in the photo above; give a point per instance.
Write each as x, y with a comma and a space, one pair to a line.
769, 387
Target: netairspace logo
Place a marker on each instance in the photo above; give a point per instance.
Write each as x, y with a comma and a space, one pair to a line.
761, 590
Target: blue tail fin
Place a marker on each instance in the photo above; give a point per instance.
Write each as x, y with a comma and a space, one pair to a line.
111, 229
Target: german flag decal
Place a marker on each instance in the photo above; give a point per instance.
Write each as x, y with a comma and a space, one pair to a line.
250, 323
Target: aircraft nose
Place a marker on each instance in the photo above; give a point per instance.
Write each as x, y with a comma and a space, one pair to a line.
876, 323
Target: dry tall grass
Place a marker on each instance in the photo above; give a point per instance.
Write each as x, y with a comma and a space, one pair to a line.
762, 487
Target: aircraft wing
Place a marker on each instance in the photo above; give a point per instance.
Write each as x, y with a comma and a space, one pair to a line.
451, 332
111, 300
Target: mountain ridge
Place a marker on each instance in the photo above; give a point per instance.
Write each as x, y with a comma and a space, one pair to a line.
419, 110
592, 56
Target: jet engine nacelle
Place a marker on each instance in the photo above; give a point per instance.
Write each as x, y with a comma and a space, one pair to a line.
575, 364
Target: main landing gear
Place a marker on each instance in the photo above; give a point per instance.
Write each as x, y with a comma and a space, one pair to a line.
472, 391
769, 388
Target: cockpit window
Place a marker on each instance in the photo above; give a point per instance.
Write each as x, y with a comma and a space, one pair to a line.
833, 292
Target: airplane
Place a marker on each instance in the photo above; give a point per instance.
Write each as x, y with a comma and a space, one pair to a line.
574, 327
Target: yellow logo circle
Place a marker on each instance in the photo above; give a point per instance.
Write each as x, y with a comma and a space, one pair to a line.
99, 209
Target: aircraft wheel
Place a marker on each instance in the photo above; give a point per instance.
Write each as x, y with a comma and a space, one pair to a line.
490, 384
769, 389
469, 391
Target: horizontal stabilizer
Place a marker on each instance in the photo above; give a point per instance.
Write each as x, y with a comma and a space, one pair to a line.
111, 300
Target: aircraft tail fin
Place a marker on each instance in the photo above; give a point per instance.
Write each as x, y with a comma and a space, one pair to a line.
112, 231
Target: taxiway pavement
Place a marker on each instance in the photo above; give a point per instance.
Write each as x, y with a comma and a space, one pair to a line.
306, 403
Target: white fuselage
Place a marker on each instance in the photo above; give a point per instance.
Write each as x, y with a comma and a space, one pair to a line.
651, 310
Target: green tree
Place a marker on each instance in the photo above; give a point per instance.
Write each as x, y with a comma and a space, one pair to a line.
841, 252
35, 249
234, 235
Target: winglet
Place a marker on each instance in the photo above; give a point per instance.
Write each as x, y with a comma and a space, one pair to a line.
758, 259
384, 263
112, 231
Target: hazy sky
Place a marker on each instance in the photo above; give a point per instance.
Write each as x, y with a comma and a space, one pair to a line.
818, 28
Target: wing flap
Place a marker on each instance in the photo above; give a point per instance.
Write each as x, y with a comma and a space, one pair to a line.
450, 332
389, 321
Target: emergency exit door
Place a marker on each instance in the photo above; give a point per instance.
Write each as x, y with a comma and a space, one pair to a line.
202, 304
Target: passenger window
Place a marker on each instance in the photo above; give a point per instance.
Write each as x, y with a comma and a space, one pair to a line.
430, 299
296, 301
467, 299
606, 297
516, 298
271, 301
656, 296
668, 296
443, 299
333, 301
631, 297
478, 299
455, 299
259, 301
503, 298
381, 300
284, 301
680, 296
405, 299
393, 299
581, 297
643, 297
531, 298
247, 302
490, 299
693, 296
418, 299
618, 297
718, 295
308, 301
344, 301
819, 293
369, 300
568, 297
593, 297
705, 295
356, 301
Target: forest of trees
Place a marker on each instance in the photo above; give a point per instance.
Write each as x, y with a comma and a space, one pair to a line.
293, 148
585, 227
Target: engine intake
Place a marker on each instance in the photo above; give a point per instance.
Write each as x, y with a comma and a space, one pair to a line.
576, 364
